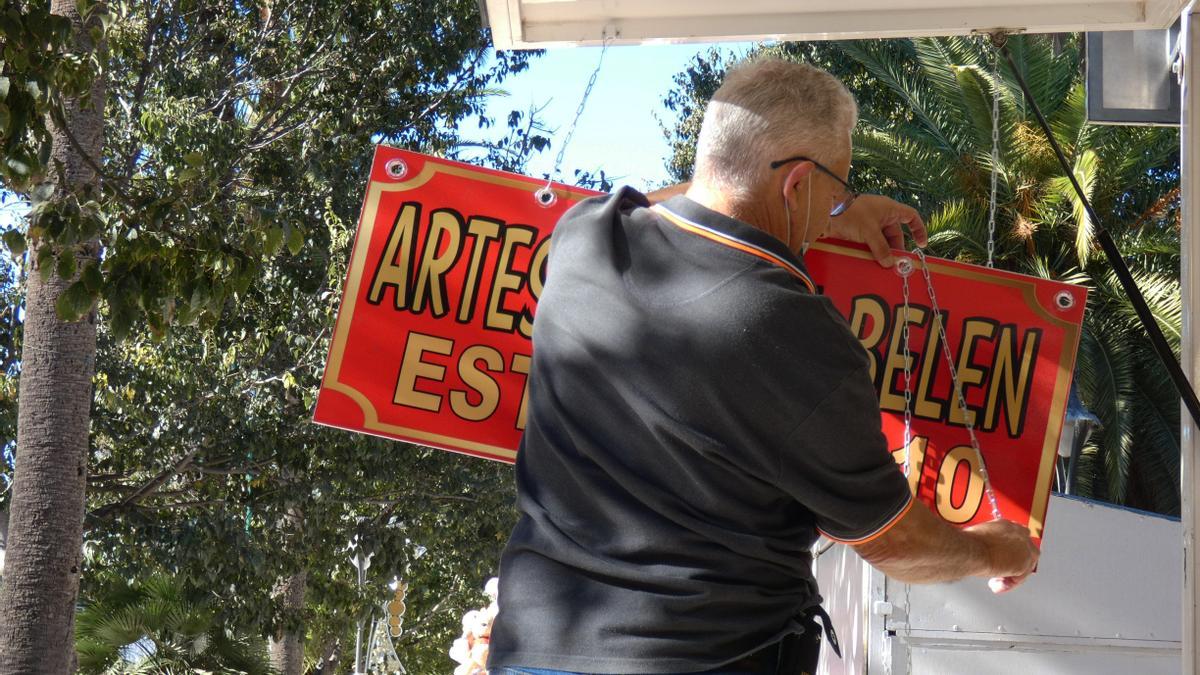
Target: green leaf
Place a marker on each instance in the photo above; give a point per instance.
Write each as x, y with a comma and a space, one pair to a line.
5, 119
66, 265
15, 240
274, 239
295, 242
45, 262
10, 24
194, 158
76, 301
91, 277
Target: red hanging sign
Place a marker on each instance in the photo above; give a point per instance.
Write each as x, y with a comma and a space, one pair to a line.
1012, 340
432, 340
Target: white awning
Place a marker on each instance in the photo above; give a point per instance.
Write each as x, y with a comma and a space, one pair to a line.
531, 24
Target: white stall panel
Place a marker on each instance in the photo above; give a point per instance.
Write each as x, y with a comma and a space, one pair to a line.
1106, 599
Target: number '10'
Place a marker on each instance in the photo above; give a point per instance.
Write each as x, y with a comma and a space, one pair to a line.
954, 502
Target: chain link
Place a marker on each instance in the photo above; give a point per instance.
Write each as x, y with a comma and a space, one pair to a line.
905, 268
958, 393
907, 378
991, 241
587, 92
908, 646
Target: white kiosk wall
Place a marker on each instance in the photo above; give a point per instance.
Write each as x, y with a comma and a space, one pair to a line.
1106, 599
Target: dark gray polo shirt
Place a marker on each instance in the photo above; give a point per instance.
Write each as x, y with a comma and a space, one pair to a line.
696, 416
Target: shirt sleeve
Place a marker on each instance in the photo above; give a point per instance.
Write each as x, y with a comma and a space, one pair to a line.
836, 463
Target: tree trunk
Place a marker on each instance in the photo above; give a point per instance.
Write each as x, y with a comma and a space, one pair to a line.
287, 645
43, 558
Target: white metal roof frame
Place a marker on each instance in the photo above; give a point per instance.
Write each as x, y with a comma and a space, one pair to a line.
535, 24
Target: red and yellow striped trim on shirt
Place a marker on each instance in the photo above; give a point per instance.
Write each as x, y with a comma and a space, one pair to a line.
879, 531
734, 243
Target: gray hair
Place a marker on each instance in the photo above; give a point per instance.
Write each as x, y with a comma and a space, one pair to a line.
765, 107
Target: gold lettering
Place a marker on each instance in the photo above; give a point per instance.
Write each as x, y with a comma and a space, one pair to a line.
969, 374
414, 367
1015, 384
392, 270
947, 476
484, 231
537, 277
480, 382
871, 307
916, 464
888, 398
925, 405
444, 224
505, 280
520, 364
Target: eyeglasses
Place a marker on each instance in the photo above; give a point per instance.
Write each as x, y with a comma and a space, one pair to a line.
848, 194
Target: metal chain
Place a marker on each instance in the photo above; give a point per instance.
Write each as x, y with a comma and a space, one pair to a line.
958, 393
904, 268
587, 92
991, 241
908, 646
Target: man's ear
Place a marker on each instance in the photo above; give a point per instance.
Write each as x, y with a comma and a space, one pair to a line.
794, 177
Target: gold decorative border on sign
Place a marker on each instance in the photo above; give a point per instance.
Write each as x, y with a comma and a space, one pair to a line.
1062, 383
350, 294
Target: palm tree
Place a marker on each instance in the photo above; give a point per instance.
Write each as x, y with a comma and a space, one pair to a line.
926, 139
936, 152
153, 626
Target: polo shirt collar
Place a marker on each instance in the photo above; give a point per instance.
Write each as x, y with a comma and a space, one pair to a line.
737, 231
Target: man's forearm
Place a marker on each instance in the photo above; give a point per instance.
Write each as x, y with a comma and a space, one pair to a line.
922, 548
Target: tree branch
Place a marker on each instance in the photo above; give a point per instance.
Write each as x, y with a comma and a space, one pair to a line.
139, 90
182, 505
148, 487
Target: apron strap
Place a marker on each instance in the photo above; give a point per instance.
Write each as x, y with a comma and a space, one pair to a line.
827, 624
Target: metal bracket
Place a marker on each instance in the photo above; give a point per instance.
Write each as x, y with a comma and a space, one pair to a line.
998, 36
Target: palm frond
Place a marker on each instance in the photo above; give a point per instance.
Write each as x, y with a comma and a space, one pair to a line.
903, 159
1104, 376
911, 89
1157, 412
937, 154
939, 66
1085, 170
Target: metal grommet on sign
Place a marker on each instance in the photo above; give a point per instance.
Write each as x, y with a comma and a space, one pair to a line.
545, 197
396, 168
904, 267
1064, 300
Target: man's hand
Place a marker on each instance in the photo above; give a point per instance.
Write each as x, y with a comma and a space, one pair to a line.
1011, 551
921, 548
876, 221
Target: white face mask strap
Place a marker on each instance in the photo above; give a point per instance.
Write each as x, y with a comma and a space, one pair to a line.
787, 233
807, 218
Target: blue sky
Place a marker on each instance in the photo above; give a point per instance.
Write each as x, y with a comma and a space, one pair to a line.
620, 130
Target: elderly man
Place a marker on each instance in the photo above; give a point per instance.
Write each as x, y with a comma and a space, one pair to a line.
699, 414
